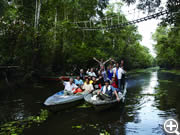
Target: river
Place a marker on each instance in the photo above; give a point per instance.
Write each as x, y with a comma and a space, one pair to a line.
152, 98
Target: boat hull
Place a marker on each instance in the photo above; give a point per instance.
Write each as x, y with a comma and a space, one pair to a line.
105, 106
59, 101
101, 105
60, 107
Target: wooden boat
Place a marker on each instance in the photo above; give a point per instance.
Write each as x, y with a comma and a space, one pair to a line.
59, 101
100, 105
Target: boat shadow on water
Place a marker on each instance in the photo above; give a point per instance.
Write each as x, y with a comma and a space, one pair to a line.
61, 107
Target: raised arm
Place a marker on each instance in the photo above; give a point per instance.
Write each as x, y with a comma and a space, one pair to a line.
87, 72
123, 71
61, 80
96, 60
107, 61
113, 60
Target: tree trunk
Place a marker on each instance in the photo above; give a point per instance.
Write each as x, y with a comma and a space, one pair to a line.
55, 23
37, 13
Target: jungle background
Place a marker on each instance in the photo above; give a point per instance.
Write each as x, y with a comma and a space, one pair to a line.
39, 36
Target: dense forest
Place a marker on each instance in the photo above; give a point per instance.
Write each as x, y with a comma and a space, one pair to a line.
38, 35
167, 39
167, 46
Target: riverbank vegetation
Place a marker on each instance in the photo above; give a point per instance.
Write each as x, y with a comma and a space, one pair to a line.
168, 46
166, 37
176, 72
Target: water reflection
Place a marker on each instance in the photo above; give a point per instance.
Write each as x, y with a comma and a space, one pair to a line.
151, 84
14, 110
141, 114
146, 120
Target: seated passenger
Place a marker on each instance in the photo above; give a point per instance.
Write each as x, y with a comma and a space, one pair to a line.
90, 80
95, 83
70, 87
99, 73
104, 74
78, 81
100, 81
96, 70
114, 83
91, 72
81, 74
107, 92
87, 87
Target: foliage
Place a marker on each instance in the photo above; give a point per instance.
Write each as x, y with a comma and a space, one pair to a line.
157, 5
77, 126
167, 46
56, 44
3, 6
17, 127
147, 70
176, 72
104, 132
85, 105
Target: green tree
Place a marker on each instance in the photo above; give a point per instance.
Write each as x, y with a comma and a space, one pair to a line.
40, 36
167, 46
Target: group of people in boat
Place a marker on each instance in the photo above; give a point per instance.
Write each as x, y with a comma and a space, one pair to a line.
108, 81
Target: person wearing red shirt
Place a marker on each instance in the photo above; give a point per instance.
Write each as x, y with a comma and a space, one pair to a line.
114, 84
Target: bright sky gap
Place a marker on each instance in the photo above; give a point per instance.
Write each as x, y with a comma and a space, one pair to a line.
146, 28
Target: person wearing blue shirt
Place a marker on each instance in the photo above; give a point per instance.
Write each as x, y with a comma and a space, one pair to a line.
78, 81
107, 91
110, 72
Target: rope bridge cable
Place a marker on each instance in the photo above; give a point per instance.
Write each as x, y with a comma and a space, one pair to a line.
106, 18
116, 26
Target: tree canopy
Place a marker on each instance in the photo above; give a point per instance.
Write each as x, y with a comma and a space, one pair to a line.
167, 46
39, 35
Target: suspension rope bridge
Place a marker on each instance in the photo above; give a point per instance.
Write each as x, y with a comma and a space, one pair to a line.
98, 24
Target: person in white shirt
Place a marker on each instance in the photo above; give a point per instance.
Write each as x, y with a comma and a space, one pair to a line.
91, 72
118, 71
70, 87
123, 77
115, 69
119, 77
